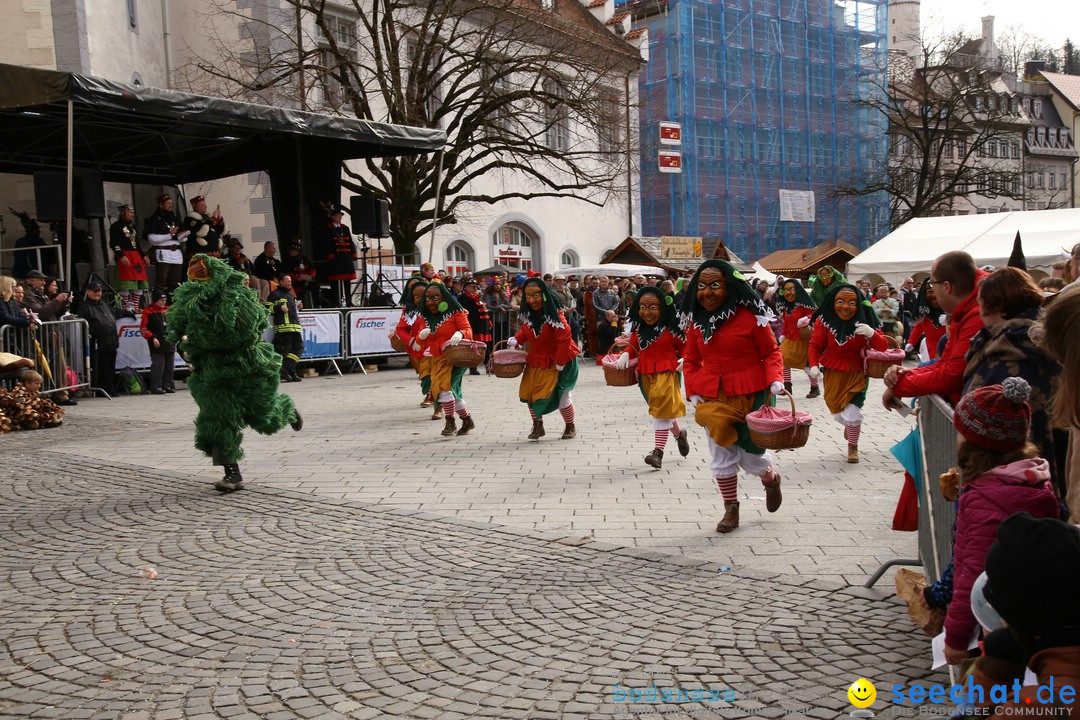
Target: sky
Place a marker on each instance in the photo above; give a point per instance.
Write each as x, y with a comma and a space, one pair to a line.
1051, 20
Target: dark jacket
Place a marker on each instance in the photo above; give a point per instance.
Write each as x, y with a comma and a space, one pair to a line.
11, 314
102, 322
38, 302
153, 327
267, 267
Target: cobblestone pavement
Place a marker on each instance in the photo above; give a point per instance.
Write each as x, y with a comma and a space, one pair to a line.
276, 604
365, 439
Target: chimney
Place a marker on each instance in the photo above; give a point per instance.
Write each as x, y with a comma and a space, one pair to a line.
988, 48
1032, 68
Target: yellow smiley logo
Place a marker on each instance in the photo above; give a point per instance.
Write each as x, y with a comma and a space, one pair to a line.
862, 693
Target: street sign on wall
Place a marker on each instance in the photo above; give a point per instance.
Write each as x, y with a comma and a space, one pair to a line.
670, 133
680, 248
670, 161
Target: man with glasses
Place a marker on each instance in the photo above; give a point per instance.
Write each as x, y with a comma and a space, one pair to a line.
605, 301
955, 280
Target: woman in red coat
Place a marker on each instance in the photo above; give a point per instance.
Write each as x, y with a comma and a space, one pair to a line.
551, 368
844, 327
931, 326
657, 342
409, 325
796, 308
445, 323
731, 364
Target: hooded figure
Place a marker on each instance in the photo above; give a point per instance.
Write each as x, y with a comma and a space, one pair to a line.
657, 341
825, 280
551, 363
732, 362
796, 308
445, 322
845, 326
409, 325
931, 324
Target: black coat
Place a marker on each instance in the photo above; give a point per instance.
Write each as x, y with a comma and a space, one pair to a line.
102, 322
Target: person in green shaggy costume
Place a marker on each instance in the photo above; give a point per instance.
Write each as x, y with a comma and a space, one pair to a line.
217, 324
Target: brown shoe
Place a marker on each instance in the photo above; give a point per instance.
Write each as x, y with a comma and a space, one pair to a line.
569, 433
451, 427
438, 414
730, 520
815, 391
427, 402
655, 458
537, 430
852, 453
773, 496
467, 424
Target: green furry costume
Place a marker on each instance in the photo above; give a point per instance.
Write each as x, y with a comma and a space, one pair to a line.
217, 324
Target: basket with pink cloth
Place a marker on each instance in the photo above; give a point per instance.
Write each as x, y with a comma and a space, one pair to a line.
775, 429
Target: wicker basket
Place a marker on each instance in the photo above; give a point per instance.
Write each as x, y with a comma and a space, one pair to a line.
806, 332
774, 429
507, 363
618, 377
397, 344
878, 362
466, 354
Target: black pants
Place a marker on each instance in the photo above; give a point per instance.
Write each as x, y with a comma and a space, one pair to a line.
162, 362
102, 368
605, 333
290, 346
168, 276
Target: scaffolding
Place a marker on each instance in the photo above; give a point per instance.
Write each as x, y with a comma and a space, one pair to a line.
767, 95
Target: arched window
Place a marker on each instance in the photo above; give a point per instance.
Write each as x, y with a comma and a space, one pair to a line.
458, 258
568, 259
514, 244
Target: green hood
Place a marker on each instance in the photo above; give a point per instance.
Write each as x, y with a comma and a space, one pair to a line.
669, 319
739, 294
843, 330
549, 313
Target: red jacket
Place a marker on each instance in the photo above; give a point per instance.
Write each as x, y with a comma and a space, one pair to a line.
946, 376
790, 328
824, 350
740, 358
455, 322
406, 332
984, 503
662, 354
925, 328
554, 346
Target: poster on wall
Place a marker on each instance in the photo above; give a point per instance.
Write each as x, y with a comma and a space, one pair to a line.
797, 206
321, 332
134, 352
369, 330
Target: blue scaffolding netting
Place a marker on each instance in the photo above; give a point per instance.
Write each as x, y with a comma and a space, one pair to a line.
767, 93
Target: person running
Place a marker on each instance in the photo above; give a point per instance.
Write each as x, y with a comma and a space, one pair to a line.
409, 325
657, 342
732, 363
551, 368
796, 308
844, 327
445, 323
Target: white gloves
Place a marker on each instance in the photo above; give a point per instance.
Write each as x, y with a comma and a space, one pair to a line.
776, 388
678, 365
415, 346
423, 334
512, 342
456, 338
943, 319
908, 348
694, 400
559, 367
865, 330
623, 362
802, 322
813, 373
780, 339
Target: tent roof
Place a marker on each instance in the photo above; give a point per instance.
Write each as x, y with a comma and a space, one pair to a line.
913, 246
647, 251
135, 134
800, 260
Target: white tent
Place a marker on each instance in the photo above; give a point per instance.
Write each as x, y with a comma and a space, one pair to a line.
614, 270
762, 274
912, 247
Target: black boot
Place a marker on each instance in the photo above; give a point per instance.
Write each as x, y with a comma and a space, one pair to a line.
787, 386
815, 391
293, 377
467, 424
537, 429
298, 423
451, 427
655, 458
232, 480
683, 442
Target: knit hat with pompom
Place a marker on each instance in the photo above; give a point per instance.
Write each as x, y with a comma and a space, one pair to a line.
996, 417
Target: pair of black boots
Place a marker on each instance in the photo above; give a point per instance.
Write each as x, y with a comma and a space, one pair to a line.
290, 376
233, 480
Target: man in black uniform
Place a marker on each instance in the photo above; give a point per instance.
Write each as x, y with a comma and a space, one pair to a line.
288, 340
162, 231
206, 230
267, 268
339, 255
131, 263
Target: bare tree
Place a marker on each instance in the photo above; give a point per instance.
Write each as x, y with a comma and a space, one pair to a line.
953, 128
521, 91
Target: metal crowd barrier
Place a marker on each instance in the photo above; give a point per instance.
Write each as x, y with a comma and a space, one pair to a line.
60, 350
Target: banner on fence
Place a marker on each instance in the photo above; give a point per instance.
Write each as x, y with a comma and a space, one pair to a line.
369, 330
321, 332
133, 351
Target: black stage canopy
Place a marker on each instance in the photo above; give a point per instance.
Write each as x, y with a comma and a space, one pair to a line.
150, 135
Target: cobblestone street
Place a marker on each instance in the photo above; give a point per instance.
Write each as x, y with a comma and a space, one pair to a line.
375, 569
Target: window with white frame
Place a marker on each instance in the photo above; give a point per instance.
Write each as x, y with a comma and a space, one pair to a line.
1036, 107
609, 121
458, 258
568, 259
1040, 133
1064, 181
1052, 181
337, 56
1015, 148
496, 86
513, 245
556, 117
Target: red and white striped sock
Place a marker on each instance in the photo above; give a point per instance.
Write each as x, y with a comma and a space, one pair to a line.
448, 408
661, 438
675, 429
787, 375
851, 432
462, 409
814, 381
568, 414
531, 413
729, 488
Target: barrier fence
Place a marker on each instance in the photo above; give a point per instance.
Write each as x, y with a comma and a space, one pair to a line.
60, 350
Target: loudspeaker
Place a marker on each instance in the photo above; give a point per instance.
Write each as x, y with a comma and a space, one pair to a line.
50, 200
370, 216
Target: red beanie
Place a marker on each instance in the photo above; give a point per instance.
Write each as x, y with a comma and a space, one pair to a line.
995, 417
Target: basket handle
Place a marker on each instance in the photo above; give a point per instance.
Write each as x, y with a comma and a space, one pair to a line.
614, 346
794, 422
496, 346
